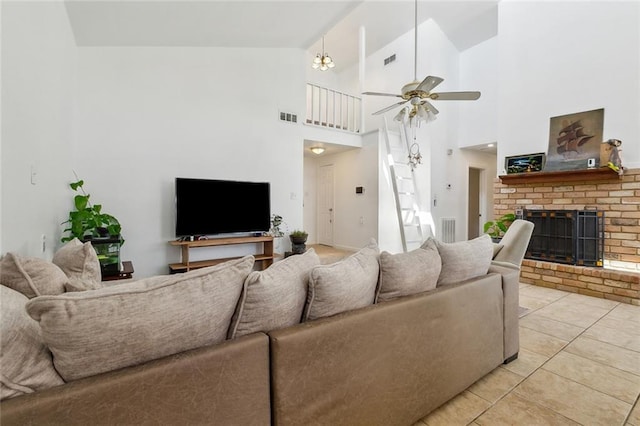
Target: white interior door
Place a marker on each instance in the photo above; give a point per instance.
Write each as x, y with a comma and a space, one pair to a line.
325, 205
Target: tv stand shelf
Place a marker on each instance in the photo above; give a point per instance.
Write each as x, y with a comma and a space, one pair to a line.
264, 259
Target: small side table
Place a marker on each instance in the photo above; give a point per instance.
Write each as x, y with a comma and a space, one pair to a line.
125, 274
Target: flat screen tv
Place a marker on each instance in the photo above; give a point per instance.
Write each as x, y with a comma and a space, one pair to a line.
212, 207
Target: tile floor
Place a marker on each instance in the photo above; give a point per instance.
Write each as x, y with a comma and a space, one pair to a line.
579, 364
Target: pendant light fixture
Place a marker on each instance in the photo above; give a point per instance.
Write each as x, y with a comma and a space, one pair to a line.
322, 60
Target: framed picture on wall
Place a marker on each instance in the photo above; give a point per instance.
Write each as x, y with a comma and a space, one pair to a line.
525, 163
574, 141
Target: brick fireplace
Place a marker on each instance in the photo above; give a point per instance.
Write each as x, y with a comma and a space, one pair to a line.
585, 190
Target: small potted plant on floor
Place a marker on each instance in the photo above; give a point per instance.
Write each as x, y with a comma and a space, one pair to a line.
298, 241
497, 227
88, 223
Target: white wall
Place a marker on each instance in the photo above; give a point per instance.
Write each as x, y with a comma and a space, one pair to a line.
38, 76
310, 194
147, 115
559, 58
479, 119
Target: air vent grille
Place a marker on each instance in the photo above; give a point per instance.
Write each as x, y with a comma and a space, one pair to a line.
287, 116
390, 59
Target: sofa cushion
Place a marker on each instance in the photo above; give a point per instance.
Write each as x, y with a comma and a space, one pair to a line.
496, 249
464, 260
403, 274
79, 262
274, 298
32, 276
91, 332
345, 285
26, 362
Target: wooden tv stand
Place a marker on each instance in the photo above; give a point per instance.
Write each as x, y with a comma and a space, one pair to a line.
263, 259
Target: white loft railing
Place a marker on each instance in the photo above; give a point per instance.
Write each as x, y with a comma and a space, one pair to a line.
332, 109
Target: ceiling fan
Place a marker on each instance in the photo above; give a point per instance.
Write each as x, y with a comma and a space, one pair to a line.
418, 93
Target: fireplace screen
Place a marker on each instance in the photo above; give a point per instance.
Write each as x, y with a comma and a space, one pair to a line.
574, 237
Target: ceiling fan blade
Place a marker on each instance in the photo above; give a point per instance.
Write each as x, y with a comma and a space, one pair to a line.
381, 94
429, 83
430, 106
390, 107
455, 96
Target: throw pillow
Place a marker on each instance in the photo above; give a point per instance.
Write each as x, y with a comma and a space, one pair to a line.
274, 298
26, 362
464, 260
92, 332
32, 276
403, 274
345, 285
79, 262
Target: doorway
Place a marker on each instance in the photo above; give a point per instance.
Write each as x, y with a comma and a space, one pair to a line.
325, 205
474, 203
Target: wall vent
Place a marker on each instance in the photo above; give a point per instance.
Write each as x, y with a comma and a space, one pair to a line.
287, 116
390, 59
448, 230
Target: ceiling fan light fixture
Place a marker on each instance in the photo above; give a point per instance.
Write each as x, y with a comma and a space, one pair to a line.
418, 93
317, 150
401, 115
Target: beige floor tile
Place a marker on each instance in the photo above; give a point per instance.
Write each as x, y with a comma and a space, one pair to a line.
527, 363
516, 410
540, 343
626, 312
532, 303
634, 417
609, 380
573, 400
461, 410
617, 332
495, 385
580, 299
558, 329
605, 353
547, 294
578, 315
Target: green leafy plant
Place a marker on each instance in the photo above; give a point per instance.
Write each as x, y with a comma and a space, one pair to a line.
497, 227
276, 223
298, 234
88, 220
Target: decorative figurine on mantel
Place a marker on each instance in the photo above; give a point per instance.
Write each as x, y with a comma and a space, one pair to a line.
615, 160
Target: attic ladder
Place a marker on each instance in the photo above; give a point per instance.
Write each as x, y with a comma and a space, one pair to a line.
404, 187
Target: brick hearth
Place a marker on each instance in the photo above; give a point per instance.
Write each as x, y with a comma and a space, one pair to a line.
619, 198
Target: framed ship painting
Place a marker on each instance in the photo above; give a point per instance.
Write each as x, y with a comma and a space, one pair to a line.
574, 139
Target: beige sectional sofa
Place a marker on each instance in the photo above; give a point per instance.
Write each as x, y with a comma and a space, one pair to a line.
300, 347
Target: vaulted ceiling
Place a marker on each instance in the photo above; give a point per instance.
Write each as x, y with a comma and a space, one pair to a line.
263, 23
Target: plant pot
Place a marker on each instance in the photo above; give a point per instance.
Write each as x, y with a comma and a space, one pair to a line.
108, 251
298, 245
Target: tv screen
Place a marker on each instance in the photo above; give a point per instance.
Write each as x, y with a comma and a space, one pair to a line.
209, 207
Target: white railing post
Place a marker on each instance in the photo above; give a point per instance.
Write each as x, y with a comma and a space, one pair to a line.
331, 108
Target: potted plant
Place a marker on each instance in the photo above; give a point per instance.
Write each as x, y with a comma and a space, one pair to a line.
276, 223
88, 223
298, 239
497, 227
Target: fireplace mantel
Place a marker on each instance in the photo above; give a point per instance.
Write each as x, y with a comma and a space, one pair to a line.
603, 173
